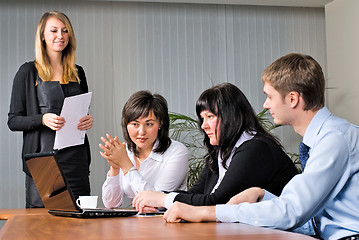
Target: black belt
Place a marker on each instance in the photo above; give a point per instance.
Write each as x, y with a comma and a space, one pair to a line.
354, 237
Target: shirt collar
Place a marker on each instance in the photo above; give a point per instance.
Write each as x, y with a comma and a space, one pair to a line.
153, 155
243, 138
315, 126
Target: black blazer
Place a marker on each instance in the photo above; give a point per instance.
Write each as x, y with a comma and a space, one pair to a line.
258, 162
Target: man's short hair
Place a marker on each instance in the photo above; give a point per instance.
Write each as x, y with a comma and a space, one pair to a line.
300, 73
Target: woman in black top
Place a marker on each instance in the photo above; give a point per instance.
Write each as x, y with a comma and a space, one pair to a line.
38, 93
241, 154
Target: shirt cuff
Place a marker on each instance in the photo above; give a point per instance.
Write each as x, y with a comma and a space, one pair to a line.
268, 196
114, 180
307, 228
170, 199
37, 120
226, 212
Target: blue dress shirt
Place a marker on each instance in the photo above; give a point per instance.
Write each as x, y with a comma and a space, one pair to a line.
325, 197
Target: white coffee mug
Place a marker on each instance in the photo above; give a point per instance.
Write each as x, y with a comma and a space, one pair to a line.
87, 201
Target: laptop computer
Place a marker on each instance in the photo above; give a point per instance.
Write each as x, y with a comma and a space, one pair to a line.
56, 193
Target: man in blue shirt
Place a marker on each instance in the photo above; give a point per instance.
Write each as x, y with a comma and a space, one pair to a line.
324, 199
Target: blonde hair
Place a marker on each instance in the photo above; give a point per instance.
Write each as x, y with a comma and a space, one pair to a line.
42, 60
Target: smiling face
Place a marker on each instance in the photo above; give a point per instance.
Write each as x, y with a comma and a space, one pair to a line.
279, 108
56, 35
210, 125
143, 131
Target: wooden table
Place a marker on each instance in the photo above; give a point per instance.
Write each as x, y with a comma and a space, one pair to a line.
38, 224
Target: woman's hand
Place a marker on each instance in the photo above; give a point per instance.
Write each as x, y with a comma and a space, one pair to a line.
147, 201
85, 123
53, 121
250, 195
116, 155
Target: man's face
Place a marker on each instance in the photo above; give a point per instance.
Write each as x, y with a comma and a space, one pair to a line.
278, 107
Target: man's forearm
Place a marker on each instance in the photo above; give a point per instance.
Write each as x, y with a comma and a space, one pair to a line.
208, 213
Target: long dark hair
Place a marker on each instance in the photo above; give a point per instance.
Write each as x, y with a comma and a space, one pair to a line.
140, 104
235, 115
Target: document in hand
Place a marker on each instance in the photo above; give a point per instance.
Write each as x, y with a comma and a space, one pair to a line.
73, 109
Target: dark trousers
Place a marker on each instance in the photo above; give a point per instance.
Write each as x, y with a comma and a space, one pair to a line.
33, 199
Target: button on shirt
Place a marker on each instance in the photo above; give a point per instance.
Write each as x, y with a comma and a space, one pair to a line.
327, 189
159, 172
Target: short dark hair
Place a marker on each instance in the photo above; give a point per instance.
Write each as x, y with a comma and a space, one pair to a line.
236, 116
141, 104
300, 73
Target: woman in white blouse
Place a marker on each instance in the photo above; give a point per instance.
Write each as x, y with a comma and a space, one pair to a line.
148, 159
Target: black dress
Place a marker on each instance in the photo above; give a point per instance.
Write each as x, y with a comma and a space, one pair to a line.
75, 160
25, 115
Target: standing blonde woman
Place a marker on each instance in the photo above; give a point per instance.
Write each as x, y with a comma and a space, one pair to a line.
38, 92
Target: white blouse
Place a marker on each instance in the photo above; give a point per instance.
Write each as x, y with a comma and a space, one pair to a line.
158, 172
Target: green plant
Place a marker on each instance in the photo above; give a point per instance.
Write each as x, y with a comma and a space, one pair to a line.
263, 117
266, 123
185, 129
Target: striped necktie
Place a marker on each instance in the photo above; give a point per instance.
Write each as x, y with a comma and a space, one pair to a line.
303, 154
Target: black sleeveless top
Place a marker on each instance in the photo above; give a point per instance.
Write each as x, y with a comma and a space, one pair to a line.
75, 160
51, 95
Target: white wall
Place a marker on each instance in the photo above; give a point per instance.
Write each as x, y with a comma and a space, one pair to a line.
342, 32
177, 50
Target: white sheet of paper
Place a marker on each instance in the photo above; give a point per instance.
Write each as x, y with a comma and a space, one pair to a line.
73, 109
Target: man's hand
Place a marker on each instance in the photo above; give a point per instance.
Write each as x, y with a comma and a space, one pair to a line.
251, 195
181, 211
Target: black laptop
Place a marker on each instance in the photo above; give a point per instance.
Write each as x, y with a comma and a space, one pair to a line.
56, 193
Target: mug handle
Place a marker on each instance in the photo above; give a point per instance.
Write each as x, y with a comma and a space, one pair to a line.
77, 202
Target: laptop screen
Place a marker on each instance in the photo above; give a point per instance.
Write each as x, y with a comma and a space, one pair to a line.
50, 182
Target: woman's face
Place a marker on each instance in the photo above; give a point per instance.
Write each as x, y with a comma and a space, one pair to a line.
210, 126
143, 131
56, 35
